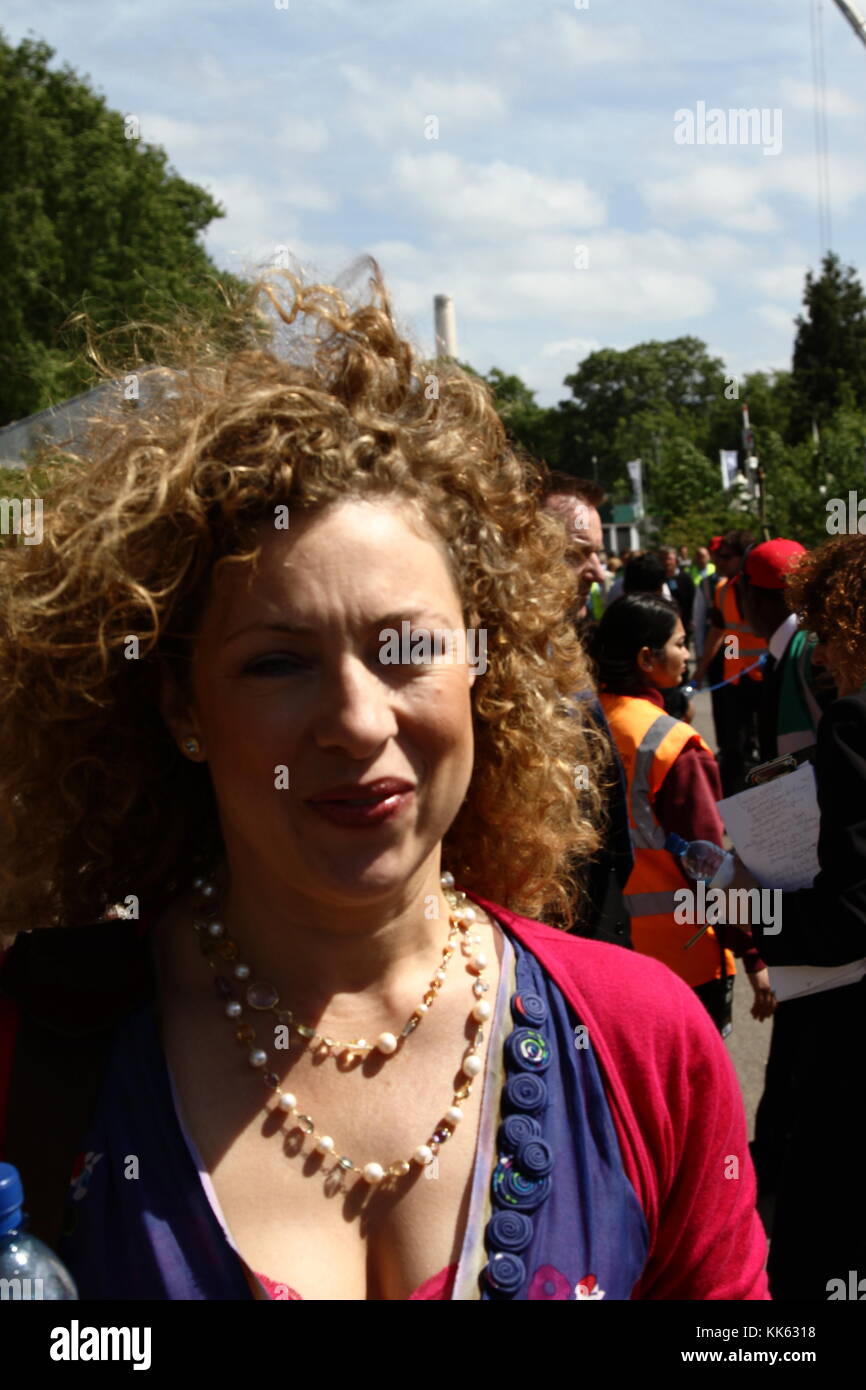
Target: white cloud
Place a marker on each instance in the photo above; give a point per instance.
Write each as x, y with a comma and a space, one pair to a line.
781, 281
574, 347
216, 144
801, 96
531, 280
301, 136
733, 193
797, 175
489, 200
725, 194
776, 317
384, 110
575, 41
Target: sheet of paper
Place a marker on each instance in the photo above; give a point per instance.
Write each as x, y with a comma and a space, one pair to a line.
793, 981
775, 829
775, 832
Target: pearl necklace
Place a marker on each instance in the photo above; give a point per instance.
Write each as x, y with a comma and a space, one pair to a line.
263, 997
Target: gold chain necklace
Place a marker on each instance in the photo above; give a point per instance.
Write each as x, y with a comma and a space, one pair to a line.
217, 947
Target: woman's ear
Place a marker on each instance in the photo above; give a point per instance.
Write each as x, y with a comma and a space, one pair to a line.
174, 706
646, 660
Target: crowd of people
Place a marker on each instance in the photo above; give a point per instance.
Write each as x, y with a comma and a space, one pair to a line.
318, 842
779, 635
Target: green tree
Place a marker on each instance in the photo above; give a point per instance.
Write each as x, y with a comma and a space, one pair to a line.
622, 399
91, 222
830, 346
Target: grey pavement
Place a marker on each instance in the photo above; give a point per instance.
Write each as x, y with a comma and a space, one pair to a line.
749, 1042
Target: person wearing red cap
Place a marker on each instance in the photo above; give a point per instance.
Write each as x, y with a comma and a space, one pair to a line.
819, 1225
793, 694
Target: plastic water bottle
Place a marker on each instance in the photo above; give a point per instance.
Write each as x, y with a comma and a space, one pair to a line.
701, 859
28, 1269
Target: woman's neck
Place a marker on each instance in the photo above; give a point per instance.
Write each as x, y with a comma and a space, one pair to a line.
320, 956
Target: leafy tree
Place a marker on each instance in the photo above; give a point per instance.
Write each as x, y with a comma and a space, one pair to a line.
686, 479
701, 520
619, 395
830, 347
768, 396
91, 222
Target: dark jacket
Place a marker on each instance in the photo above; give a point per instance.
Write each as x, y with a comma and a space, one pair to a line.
602, 914
826, 924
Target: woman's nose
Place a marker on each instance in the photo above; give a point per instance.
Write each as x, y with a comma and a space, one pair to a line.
355, 708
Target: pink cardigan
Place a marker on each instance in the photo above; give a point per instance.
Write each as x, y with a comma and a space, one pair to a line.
677, 1109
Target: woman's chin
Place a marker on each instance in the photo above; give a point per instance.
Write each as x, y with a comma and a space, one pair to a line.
356, 879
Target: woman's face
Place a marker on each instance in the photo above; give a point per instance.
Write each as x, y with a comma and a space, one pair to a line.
666, 670
298, 708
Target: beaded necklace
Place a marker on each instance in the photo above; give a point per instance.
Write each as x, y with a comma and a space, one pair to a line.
239, 990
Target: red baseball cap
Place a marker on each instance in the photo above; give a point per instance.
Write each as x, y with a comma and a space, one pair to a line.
714, 544
767, 564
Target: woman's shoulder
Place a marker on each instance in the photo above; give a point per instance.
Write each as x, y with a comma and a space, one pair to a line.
78, 979
638, 1005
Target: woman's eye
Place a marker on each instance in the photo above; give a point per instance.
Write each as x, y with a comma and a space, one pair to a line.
273, 665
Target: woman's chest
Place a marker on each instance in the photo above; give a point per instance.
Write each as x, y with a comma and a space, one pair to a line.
294, 1213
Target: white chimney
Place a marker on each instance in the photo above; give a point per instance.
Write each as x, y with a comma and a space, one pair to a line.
444, 325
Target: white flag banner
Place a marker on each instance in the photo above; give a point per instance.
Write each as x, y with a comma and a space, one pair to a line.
728, 461
635, 473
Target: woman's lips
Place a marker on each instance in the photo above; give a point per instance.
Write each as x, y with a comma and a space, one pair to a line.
364, 806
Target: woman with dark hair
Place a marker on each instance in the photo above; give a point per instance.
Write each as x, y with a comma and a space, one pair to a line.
673, 785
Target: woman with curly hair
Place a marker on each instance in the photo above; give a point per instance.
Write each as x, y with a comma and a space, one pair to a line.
293, 658
819, 1228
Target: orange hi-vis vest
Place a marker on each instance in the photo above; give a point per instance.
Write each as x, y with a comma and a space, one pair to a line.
649, 742
750, 645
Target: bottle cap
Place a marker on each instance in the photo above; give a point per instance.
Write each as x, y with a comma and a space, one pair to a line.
675, 844
11, 1198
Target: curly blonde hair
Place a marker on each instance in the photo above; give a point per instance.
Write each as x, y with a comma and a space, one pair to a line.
827, 590
95, 798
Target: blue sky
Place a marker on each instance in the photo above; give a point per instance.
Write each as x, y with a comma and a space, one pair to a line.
556, 124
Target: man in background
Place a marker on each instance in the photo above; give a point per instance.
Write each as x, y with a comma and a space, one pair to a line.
679, 582
702, 566
601, 914
576, 501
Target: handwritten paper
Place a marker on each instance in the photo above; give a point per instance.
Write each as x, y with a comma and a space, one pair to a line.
774, 828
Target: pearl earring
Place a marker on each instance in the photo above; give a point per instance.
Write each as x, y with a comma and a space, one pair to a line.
191, 746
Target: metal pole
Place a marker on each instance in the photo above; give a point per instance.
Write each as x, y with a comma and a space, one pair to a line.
854, 18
